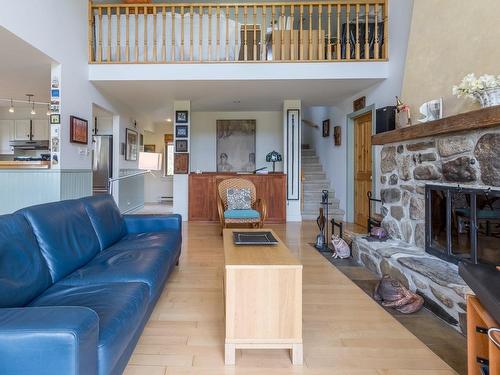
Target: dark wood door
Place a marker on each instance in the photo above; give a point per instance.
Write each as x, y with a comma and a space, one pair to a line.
362, 167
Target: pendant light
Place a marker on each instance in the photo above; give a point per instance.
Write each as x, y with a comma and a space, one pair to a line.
11, 109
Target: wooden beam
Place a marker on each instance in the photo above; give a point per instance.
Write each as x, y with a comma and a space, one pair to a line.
480, 119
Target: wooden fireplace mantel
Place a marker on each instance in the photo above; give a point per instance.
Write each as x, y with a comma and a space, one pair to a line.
479, 119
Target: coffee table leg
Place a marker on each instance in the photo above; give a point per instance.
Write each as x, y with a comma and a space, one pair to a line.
230, 354
297, 354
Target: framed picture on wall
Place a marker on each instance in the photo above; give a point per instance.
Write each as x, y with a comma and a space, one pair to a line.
78, 130
181, 145
181, 131
236, 145
181, 163
131, 145
337, 135
293, 152
149, 148
181, 117
326, 128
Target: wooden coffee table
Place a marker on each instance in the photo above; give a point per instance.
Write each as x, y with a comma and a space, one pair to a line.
263, 298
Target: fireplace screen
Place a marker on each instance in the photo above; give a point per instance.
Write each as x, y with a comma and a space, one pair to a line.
463, 224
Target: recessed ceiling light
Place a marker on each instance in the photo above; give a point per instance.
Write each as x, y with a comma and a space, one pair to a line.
169, 120
236, 101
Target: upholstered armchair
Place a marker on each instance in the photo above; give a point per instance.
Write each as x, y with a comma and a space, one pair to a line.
253, 217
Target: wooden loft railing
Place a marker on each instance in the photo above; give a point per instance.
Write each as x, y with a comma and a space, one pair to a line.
300, 31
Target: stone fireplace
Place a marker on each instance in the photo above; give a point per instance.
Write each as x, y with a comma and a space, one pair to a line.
440, 195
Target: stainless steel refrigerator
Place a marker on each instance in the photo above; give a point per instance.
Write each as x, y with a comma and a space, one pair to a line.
102, 163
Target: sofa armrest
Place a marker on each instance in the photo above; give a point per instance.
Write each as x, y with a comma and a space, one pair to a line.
48, 340
152, 223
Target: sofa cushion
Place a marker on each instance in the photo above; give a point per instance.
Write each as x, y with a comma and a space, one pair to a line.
65, 235
148, 265
23, 271
121, 308
170, 239
106, 219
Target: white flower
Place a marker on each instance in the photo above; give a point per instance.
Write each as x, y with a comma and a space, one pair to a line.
471, 86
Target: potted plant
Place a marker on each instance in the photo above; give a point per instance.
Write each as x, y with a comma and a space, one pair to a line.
485, 89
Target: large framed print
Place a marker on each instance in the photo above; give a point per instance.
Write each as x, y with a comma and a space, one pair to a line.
236, 145
293, 154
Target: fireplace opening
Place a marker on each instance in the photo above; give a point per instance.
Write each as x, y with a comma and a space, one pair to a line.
463, 224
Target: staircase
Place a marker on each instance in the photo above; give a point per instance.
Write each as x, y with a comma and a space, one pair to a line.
315, 181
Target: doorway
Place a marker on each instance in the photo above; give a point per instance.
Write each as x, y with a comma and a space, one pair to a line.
362, 167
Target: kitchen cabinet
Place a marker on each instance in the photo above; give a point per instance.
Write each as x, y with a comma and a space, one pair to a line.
22, 129
6, 134
40, 130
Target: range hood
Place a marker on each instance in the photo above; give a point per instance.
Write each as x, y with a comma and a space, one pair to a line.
30, 145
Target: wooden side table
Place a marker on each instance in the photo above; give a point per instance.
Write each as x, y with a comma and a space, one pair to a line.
263, 298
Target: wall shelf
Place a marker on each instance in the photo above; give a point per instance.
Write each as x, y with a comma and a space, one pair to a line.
474, 120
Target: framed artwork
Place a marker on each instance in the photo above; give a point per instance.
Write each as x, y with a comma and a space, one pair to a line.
236, 145
359, 103
181, 117
149, 148
181, 131
337, 135
293, 152
141, 137
131, 145
55, 119
78, 130
326, 128
181, 145
181, 163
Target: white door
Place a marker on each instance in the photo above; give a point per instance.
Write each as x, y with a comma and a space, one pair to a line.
22, 130
40, 130
6, 135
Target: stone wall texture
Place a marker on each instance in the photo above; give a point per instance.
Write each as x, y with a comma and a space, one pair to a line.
469, 159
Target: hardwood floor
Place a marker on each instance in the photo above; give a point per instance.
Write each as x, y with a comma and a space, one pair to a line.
345, 332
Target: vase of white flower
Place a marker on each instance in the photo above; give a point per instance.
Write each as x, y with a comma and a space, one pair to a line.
485, 89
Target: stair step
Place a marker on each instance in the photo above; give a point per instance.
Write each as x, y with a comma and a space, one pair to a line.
315, 177
315, 206
308, 153
313, 168
310, 159
316, 196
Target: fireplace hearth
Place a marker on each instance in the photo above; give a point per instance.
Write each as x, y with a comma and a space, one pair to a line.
463, 223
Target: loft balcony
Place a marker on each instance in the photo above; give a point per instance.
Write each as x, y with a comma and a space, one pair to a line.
300, 31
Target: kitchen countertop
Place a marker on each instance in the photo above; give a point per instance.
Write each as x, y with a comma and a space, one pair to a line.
24, 164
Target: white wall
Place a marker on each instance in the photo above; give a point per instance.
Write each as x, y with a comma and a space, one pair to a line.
269, 137
334, 158
157, 185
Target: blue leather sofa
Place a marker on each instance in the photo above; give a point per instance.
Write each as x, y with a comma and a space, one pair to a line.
78, 282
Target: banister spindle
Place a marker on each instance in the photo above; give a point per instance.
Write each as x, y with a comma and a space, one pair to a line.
273, 34
329, 38
386, 34
164, 35
145, 34
376, 47
201, 11
282, 26
357, 49
321, 48
182, 34
264, 33
245, 21
155, 37
301, 32
367, 32
118, 36
310, 52
108, 49
127, 34
254, 22
99, 49
172, 16
348, 33
217, 28
191, 28
136, 34
90, 32
293, 42
209, 33
339, 35
237, 33
227, 33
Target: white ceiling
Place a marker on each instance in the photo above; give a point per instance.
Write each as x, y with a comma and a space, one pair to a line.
153, 100
23, 69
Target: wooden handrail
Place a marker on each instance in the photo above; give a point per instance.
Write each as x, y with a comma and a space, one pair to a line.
328, 30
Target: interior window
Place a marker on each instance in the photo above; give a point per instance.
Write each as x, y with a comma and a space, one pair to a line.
169, 157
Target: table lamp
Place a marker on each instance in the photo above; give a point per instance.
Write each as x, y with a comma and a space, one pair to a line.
273, 157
